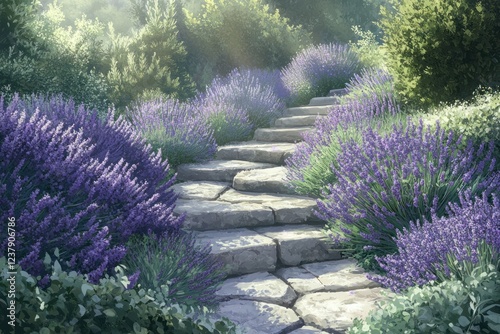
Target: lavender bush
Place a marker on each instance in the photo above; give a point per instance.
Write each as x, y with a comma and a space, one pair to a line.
191, 274
67, 190
176, 129
257, 92
424, 249
370, 99
386, 181
316, 70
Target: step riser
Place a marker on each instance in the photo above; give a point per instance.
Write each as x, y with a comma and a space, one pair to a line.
275, 156
216, 170
277, 136
288, 122
307, 110
324, 101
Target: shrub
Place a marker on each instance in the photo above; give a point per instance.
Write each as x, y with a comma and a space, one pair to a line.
369, 51
478, 120
73, 304
441, 50
318, 69
471, 305
252, 90
225, 35
153, 59
369, 100
228, 122
424, 248
173, 127
330, 20
190, 272
386, 181
68, 189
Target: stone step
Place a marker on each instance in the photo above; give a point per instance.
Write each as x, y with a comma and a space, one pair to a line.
242, 251
337, 92
288, 122
307, 110
216, 170
299, 244
266, 180
201, 190
321, 293
287, 209
288, 135
324, 101
254, 151
218, 215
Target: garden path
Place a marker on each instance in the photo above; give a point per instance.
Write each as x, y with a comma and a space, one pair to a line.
283, 276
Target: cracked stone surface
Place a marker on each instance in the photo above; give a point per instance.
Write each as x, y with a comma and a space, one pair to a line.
267, 180
260, 318
299, 244
262, 286
274, 153
201, 190
336, 310
288, 209
216, 170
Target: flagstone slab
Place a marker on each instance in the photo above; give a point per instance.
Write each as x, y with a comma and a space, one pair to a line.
307, 110
288, 209
254, 151
308, 330
300, 243
200, 190
336, 310
260, 318
217, 170
300, 280
215, 215
288, 135
242, 251
324, 101
267, 180
340, 275
261, 287
288, 122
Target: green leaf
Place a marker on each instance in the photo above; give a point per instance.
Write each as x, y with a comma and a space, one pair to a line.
86, 287
82, 310
109, 312
463, 321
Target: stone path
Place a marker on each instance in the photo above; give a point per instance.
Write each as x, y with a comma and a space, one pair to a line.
283, 276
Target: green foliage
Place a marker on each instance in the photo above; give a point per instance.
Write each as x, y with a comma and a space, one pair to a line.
70, 304
478, 119
59, 60
153, 60
226, 34
330, 20
442, 50
15, 17
469, 305
369, 51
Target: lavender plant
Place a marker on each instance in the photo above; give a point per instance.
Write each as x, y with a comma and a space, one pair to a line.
190, 273
256, 92
425, 249
370, 100
176, 129
66, 192
386, 181
316, 70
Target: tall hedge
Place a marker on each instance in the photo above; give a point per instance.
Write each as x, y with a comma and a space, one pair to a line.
442, 50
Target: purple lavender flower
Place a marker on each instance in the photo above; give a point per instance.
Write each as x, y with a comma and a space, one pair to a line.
374, 165
423, 248
67, 190
175, 128
316, 70
256, 92
308, 169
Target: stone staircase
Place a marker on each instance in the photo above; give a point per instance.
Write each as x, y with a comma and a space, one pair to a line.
283, 276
